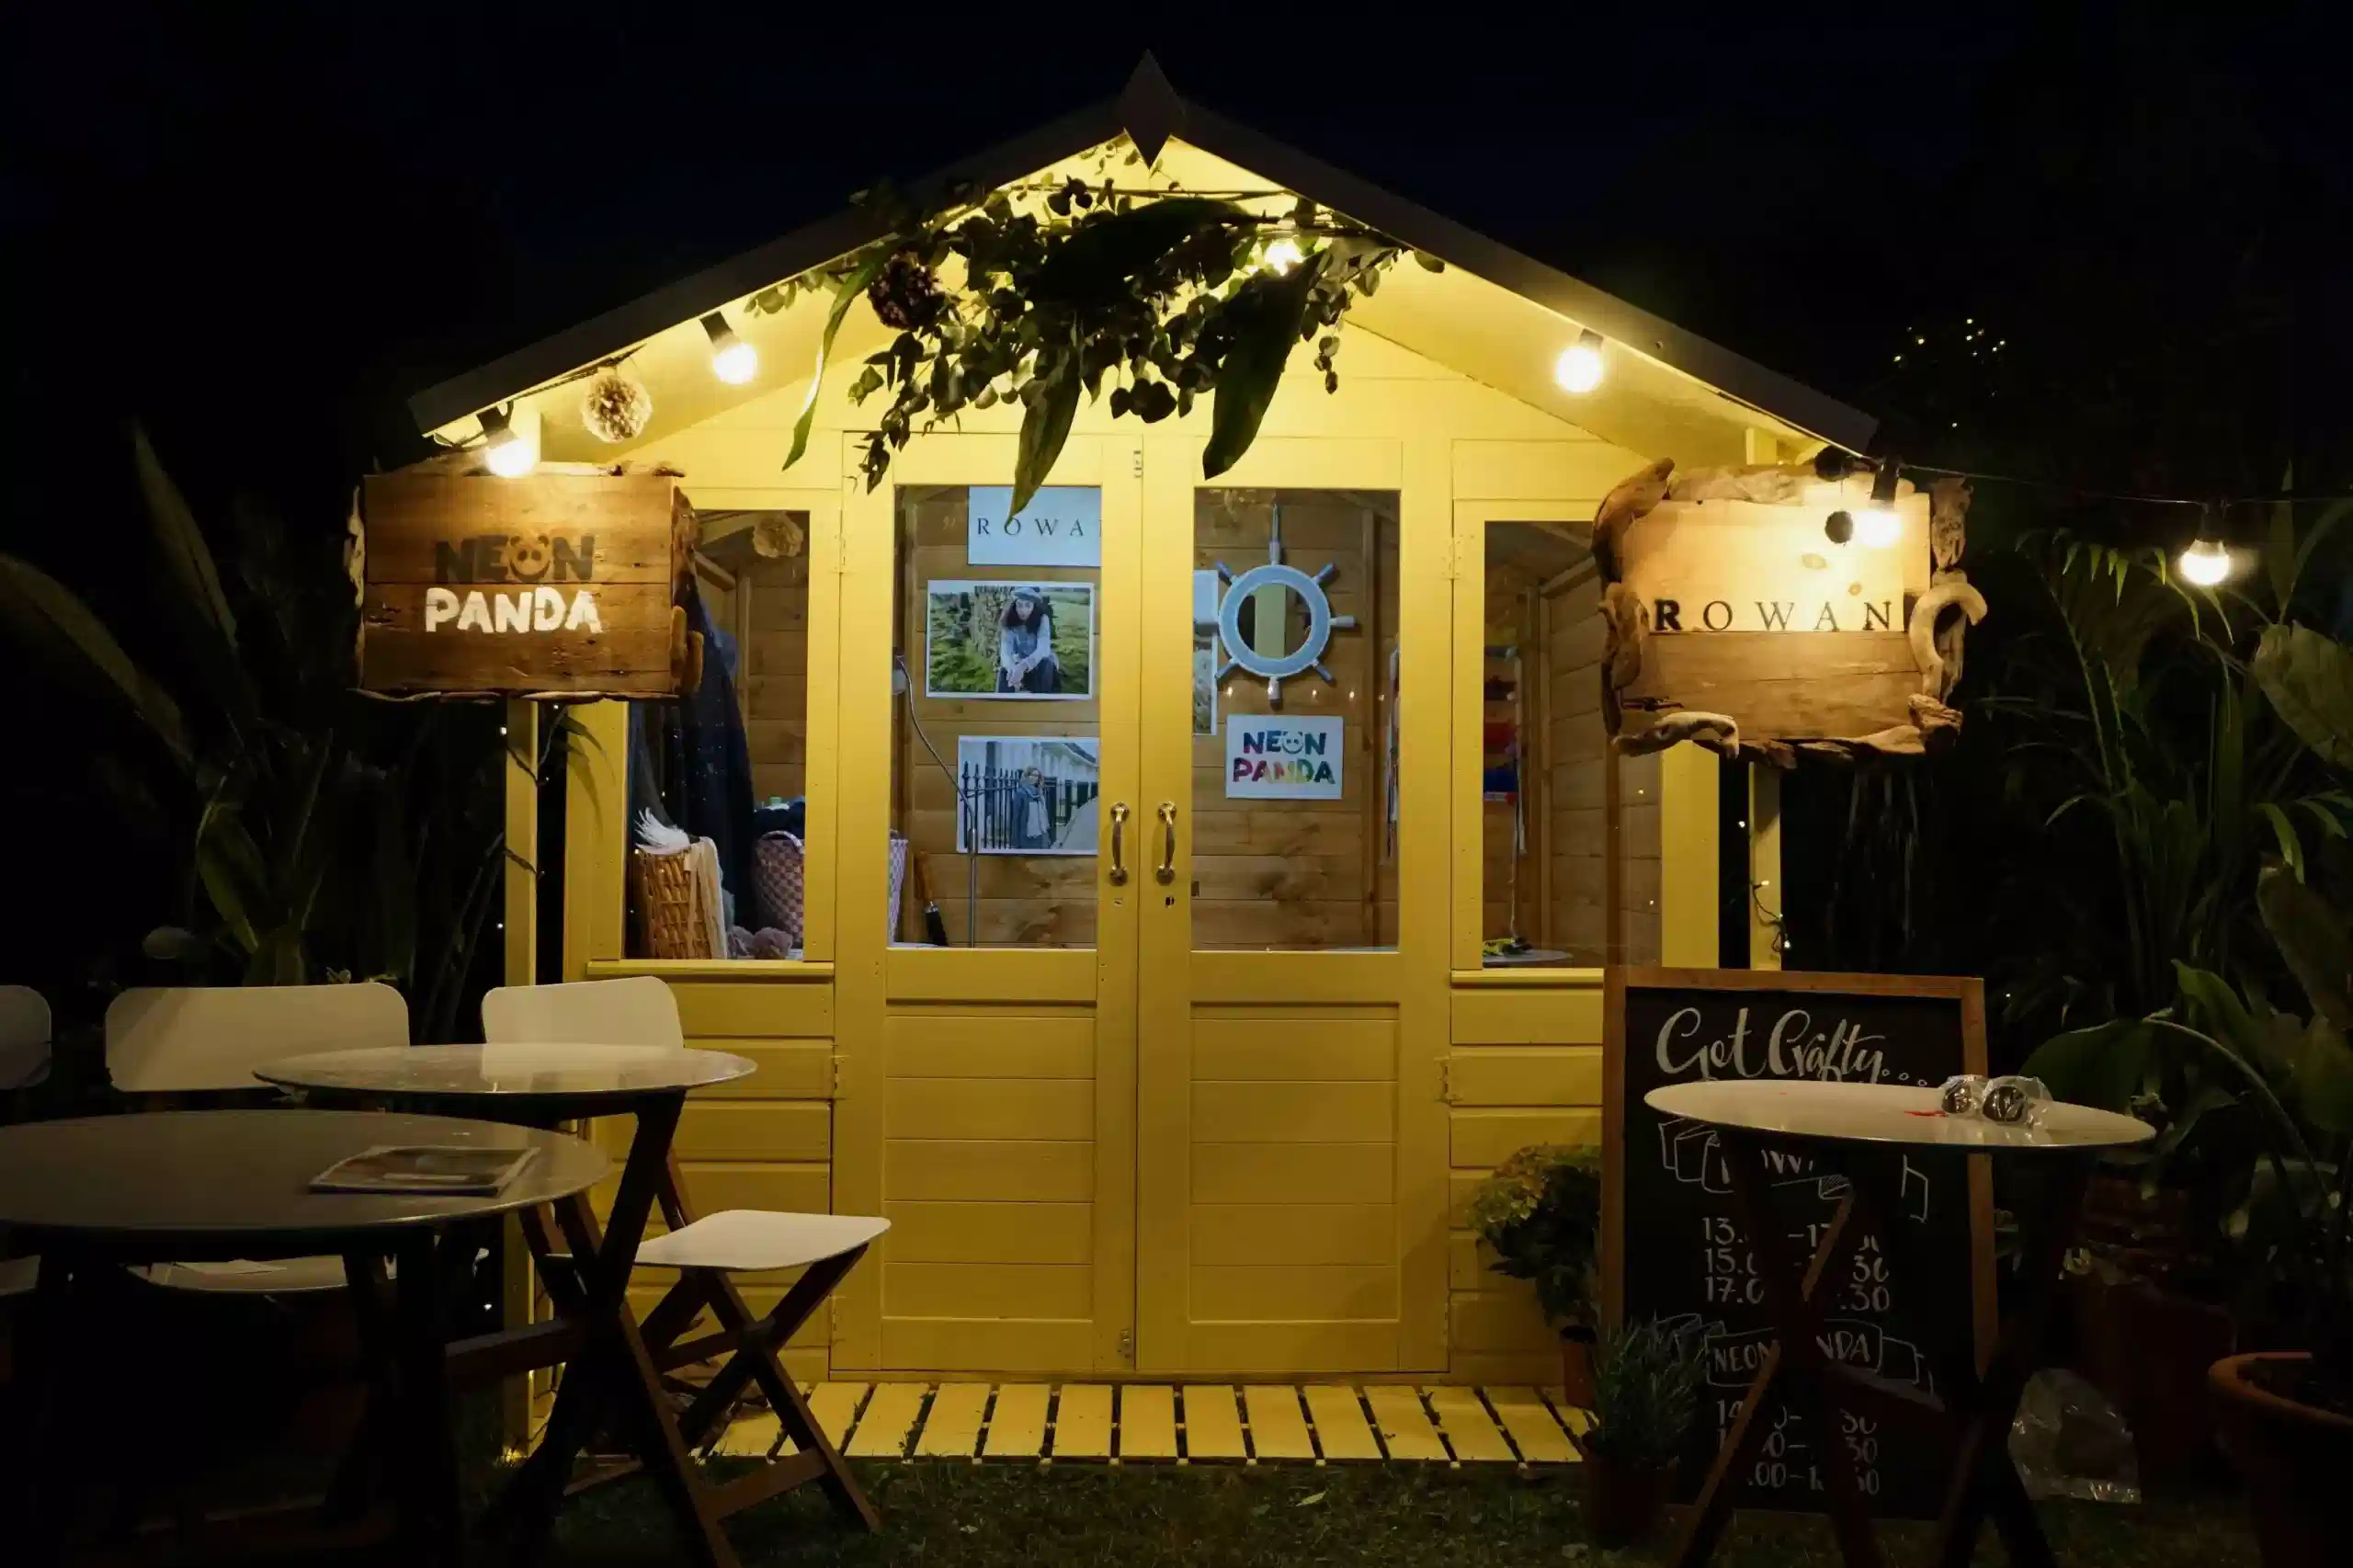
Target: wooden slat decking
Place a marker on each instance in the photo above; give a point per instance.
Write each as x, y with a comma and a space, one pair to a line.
1156, 1423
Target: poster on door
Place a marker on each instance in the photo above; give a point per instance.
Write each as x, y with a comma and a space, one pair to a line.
1270, 756
1062, 526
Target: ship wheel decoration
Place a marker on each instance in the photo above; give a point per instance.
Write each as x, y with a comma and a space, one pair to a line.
1277, 666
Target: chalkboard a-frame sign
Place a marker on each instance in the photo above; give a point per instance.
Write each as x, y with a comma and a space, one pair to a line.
1672, 1231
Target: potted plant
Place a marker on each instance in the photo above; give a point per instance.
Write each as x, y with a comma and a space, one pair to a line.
1646, 1390
2286, 1415
1540, 1213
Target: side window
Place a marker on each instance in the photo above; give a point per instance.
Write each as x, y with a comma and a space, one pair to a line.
1544, 756
718, 818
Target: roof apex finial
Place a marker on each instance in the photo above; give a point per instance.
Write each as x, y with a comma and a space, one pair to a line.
1150, 110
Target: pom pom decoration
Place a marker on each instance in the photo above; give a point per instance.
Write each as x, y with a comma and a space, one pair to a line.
904, 294
616, 406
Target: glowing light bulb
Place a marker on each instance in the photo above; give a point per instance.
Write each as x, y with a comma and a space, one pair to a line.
2206, 562
733, 361
1877, 527
504, 449
1282, 255
1579, 367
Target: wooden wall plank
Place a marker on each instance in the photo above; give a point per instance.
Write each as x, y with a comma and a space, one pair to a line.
1261, 1233
990, 1232
791, 1070
993, 1045
1296, 1113
754, 1009
987, 1290
982, 1172
755, 1130
1308, 1173
1486, 1137
1525, 1076
1298, 1292
1051, 1109
1528, 1015
1311, 1049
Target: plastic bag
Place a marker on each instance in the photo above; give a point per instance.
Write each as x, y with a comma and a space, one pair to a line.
2068, 1441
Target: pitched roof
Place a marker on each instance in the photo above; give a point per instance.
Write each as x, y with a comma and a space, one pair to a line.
1152, 114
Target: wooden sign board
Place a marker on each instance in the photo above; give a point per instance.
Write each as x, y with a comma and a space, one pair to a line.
1673, 1241
1745, 617
548, 584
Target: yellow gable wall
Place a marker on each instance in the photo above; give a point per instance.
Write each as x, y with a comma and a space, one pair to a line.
1508, 1059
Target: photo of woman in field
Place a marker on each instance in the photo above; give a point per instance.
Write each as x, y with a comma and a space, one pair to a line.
1015, 641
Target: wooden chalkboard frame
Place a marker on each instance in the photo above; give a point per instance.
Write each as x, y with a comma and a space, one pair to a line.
1969, 992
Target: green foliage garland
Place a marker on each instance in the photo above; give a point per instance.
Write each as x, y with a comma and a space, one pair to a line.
1169, 298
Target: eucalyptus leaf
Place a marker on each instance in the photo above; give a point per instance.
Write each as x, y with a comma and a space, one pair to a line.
2314, 938
2309, 678
66, 639
2324, 1078
1263, 316
847, 294
1045, 426
2104, 1065
187, 558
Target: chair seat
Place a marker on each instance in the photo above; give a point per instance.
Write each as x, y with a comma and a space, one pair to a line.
743, 1240
282, 1277
18, 1274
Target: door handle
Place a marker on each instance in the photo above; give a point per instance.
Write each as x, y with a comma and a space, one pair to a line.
1119, 859
1167, 871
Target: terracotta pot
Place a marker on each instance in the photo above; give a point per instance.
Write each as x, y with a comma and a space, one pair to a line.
2294, 1458
1576, 1368
1621, 1504
2148, 1348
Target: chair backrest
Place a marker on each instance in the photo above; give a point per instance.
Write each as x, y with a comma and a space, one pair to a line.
636, 1011
165, 1040
24, 1037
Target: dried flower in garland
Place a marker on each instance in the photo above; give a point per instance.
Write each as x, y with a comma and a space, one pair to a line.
1168, 296
615, 406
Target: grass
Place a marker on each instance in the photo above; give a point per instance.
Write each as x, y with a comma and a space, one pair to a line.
945, 1515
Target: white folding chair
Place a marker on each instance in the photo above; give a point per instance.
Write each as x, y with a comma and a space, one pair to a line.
637, 1011
24, 1037
24, 1061
708, 1252
196, 1040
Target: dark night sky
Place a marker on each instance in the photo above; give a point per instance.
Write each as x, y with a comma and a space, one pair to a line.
261, 226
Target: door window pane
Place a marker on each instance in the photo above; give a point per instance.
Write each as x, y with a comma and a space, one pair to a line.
996, 756
1544, 756
1295, 665
725, 764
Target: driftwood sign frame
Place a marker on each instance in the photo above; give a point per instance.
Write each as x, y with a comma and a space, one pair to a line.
1733, 619
554, 585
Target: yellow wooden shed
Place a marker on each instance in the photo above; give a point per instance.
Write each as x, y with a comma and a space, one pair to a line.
1208, 1093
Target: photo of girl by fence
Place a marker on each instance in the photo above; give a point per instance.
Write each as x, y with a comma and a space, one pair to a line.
1027, 795
1009, 640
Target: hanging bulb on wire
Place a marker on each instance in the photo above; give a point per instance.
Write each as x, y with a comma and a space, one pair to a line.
733, 361
2206, 561
504, 448
1877, 526
1579, 368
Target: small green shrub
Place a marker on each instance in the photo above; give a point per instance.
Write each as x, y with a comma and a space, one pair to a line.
1646, 1390
1540, 1213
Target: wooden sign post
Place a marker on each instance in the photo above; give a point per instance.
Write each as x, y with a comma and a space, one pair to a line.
553, 585
1673, 1243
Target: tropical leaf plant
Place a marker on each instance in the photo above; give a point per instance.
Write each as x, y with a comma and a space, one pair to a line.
1035, 295
308, 834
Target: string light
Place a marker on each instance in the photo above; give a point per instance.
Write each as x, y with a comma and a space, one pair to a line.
733, 361
1282, 255
1877, 526
504, 450
1579, 368
2207, 560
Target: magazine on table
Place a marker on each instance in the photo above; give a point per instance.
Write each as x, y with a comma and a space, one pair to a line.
454, 1170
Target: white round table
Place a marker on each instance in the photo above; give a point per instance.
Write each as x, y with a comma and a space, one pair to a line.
1858, 1129
518, 1083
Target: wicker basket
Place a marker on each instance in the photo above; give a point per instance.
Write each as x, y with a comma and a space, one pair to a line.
669, 909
